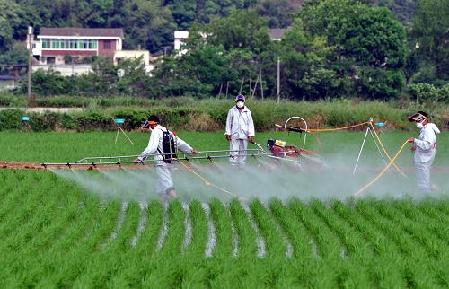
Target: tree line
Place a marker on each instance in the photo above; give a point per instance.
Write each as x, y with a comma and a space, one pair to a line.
332, 48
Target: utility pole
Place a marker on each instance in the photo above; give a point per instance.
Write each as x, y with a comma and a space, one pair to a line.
278, 81
260, 79
30, 57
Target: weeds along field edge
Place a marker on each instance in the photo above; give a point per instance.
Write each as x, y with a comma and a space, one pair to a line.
57, 235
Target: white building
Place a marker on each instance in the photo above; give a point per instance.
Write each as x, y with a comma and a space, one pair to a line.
63, 49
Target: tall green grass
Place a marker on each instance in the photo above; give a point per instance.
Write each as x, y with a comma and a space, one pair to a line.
210, 114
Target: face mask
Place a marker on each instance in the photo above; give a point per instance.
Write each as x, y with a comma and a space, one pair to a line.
239, 104
419, 125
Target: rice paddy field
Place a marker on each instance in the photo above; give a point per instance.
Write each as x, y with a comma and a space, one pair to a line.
58, 231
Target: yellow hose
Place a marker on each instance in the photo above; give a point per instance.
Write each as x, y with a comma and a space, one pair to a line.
206, 181
361, 190
310, 130
385, 151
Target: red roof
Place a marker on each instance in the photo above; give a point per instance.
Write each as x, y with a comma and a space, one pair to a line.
83, 32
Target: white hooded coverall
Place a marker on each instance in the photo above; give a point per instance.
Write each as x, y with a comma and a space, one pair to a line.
240, 126
424, 155
164, 182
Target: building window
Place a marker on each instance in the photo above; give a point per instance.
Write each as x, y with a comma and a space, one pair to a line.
82, 44
51, 60
107, 44
92, 44
72, 43
45, 43
54, 44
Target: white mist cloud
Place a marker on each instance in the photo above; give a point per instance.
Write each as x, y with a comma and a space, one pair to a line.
263, 178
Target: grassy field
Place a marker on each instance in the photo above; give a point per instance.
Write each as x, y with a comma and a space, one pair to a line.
64, 147
54, 146
66, 234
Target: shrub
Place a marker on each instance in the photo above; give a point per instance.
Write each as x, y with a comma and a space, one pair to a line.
207, 115
10, 119
424, 92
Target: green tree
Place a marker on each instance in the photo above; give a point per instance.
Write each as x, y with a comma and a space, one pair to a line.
431, 32
241, 29
146, 24
133, 79
201, 72
49, 83
10, 22
362, 38
279, 13
305, 74
17, 55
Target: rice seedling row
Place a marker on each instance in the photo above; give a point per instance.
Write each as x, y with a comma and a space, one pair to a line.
55, 235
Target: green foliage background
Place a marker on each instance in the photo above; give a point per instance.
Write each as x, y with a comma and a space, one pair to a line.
333, 49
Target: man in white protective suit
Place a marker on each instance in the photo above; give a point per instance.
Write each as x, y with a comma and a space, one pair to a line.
164, 145
239, 130
424, 148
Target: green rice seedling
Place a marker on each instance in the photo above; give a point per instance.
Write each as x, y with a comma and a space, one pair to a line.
199, 235
246, 235
435, 222
26, 262
223, 224
276, 247
418, 274
137, 261
173, 243
353, 243
147, 244
75, 265
423, 229
403, 245
31, 223
21, 202
352, 275
66, 211
314, 273
328, 244
128, 229
443, 207
410, 231
70, 239
295, 231
108, 262
385, 272
14, 209
377, 241
441, 272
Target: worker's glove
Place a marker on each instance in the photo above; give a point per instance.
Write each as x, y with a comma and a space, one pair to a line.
251, 139
228, 137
